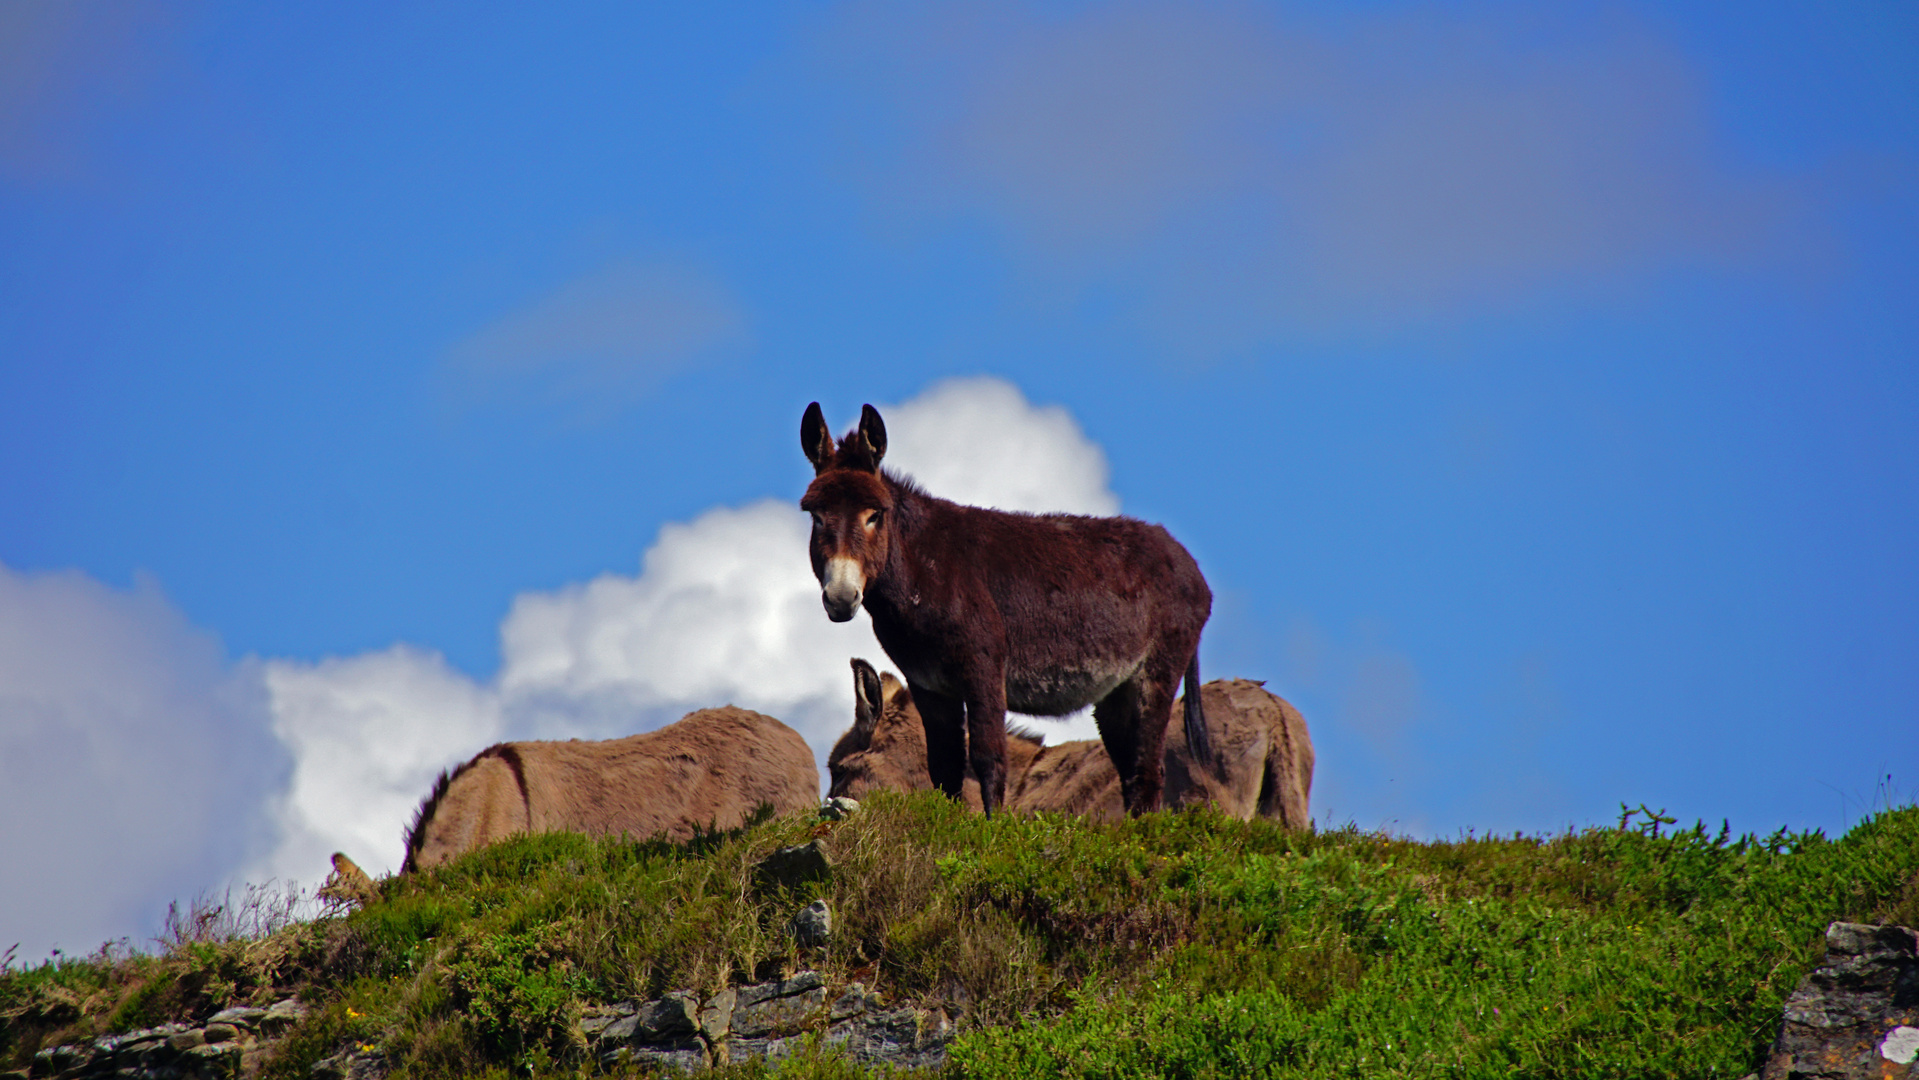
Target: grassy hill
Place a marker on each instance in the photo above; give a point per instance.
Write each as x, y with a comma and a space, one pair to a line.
1182, 945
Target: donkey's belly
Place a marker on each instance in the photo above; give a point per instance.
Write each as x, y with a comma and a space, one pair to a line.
1058, 691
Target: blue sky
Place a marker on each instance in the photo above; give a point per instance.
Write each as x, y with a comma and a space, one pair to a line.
1537, 389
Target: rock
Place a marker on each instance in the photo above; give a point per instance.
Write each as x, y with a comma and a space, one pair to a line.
675, 1015
593, 1025
223, 1059
779, 1014
775, 1008
282, 1015
740, 1048
813, 926
685, 1055
240, 1015
354, 1065
716, 1020
186, 1040
791, 867
856, 1000
56, 1059
219, 1033
839, 808
620, 1031
902, 1038
1849, 1018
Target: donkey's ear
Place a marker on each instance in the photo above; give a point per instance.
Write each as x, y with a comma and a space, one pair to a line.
873, 430
815, 439
866, 696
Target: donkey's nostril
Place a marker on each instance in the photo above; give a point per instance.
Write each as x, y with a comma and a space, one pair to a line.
840, 609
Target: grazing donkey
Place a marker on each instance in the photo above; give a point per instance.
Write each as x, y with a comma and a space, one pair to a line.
710, 769
985, 610
1263, 765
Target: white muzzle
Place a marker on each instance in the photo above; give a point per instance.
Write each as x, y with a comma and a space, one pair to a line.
844, 586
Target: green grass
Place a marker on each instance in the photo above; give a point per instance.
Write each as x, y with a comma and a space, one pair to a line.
1182, 945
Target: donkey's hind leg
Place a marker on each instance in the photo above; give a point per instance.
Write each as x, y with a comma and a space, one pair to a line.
1134, 745
944, 721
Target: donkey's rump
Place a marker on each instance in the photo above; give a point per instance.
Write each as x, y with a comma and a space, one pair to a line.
1262, 764
711, 769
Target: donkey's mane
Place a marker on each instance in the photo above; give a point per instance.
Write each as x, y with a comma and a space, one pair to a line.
910, 488
422, 817
853, 453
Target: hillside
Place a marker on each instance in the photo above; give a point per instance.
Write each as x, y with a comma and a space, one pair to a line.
1175, 945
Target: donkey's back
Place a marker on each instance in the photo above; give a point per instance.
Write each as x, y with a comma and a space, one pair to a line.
711, 769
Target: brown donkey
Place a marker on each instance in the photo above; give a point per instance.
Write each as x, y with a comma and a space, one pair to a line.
1263, 765
710, 769
985, 610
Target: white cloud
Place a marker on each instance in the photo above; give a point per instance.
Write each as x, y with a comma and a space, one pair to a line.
132, 761
977, 441
368, 734
724, 609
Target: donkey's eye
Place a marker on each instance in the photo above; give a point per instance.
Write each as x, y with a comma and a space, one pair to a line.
817, 519
873, 521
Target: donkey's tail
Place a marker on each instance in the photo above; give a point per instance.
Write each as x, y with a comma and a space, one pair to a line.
1197, 741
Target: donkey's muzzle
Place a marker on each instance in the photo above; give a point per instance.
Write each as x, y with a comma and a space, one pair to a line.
840, 610
844, 586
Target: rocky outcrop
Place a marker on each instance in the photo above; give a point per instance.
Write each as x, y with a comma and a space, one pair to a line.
770, 1020
680, 1031
225, 1046
1856, 1016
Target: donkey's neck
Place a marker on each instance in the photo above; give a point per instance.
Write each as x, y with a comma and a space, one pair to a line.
897, 588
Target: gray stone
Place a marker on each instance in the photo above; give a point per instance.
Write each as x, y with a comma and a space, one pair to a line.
140, 1045
813, 926
783, 1013
242, 1015
684, 1055
223, 1059
354, 1065
593, 1025
903, 1038
1843, 1021
758, 992
219, 1033
839, 808
741, 1048
282, 1015
675, 1015
791, 867
716, 1020
186, 1040
58, 1059
621, 1030
856, 1000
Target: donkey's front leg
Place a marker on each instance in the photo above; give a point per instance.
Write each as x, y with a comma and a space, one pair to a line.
944, 721
986, 738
